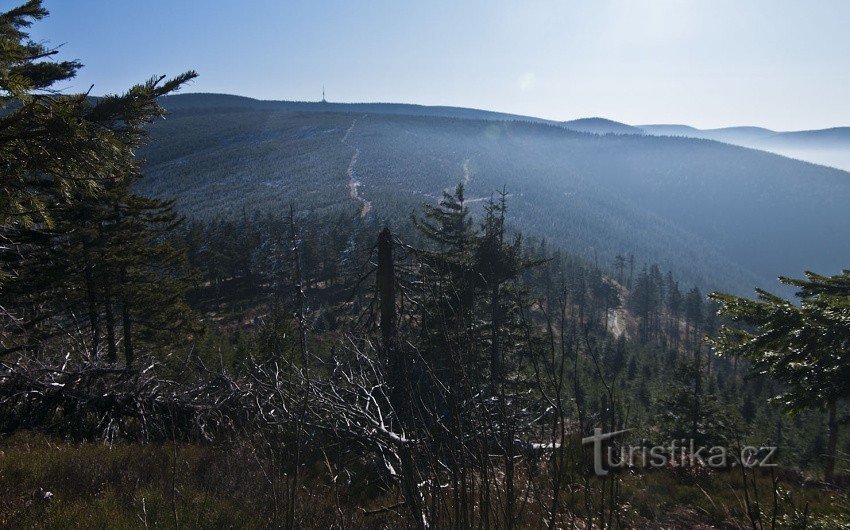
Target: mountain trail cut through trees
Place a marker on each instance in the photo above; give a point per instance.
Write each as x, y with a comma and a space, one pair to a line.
353, 183
616, 321
467, 176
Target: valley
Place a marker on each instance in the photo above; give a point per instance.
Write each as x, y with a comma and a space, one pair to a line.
710, 212
225, 312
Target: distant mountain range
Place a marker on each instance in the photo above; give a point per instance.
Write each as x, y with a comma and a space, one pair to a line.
601, 126
227, 103
829, 147
717, 215
835, 137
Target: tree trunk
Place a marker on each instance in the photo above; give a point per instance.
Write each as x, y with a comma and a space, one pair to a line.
91, 300
832, 442
697, 394
111, 346
398, 373
129, 355
385, 278
302, 346
112, 350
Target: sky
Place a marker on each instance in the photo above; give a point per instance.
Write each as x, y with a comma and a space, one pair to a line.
712, 63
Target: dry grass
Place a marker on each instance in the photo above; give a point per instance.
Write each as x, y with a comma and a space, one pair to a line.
130, 486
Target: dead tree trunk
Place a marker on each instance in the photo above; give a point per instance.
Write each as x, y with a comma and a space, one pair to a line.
398, 373
302, 346
385, 279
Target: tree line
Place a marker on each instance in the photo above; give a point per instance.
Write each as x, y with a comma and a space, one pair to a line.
447, 359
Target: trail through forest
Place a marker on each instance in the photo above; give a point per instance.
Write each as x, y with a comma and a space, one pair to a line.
353, 183
616, 321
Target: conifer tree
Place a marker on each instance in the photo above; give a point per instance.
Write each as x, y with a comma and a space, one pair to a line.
805, 347
53, 145
674, 309
449, 276
68, 164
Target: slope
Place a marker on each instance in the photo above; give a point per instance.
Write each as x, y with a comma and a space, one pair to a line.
715, 214
830, 147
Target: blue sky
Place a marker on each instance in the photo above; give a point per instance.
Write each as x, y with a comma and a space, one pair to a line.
772, 63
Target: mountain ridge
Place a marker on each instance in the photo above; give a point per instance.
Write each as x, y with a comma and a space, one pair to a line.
834, 142
598, 125
664, 199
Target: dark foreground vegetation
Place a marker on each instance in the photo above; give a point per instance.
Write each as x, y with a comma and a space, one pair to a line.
153, 485
317, 369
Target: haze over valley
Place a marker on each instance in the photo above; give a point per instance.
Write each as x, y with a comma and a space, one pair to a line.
548, 287
717, 214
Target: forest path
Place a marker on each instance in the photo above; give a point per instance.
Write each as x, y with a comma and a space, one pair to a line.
616, 322
467, 176
353, 182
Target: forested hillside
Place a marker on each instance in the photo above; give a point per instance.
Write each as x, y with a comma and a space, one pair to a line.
206, 102
329, 316
715, 214
830, 147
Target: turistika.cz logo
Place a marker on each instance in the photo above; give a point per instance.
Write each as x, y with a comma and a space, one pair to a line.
681, 453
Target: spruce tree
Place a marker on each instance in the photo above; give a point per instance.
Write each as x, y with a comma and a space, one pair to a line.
68, 164
805, 347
